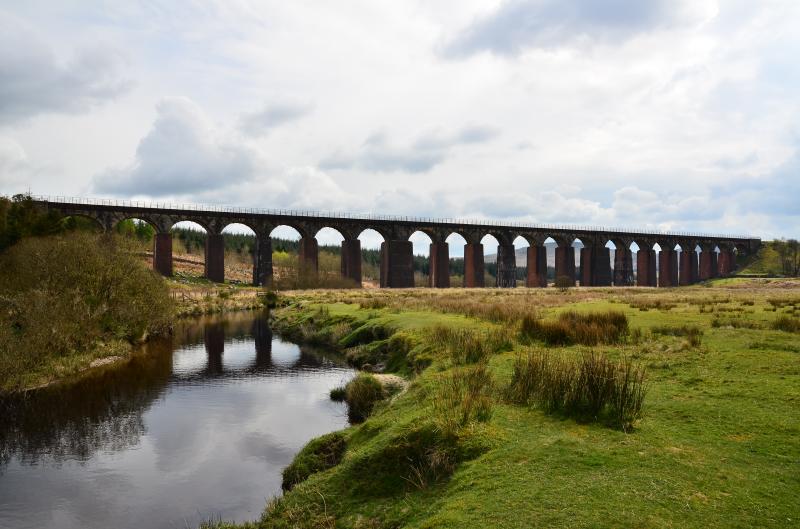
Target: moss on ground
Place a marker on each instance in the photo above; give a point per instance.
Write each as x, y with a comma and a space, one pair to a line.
320, 454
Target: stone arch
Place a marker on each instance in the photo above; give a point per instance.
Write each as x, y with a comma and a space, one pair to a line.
623, 269
562, 255
382, 230
595, 261
535, 270
341, 231
202, 222
667, 263
69, 221
505, 265
687, 262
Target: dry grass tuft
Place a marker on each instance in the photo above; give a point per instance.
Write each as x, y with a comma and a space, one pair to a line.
591, 387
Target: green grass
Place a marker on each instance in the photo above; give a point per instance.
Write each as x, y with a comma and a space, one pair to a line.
717, 445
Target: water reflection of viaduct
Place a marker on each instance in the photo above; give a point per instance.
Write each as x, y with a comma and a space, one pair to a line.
217, 334
708, 255
104, 411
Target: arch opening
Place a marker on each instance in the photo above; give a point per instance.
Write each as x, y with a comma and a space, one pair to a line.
332, 271
490, 254
239, 246
287, 270
371, 242
136, 229
456, 244
422, 245
189, 249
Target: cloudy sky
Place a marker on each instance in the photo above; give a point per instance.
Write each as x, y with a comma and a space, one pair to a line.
663, 114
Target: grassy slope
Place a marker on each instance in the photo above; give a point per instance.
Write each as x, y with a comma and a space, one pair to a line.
766, 261
718, 446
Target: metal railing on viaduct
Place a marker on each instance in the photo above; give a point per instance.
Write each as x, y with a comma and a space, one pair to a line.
716, 255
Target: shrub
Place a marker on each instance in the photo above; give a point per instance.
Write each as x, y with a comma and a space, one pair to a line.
591, 387
60, 296
319, 454
575, 328
361, 394
787, 324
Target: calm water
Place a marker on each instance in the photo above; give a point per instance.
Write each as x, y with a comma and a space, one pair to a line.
199, 426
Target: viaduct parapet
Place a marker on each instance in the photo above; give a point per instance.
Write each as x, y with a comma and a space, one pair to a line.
672, 266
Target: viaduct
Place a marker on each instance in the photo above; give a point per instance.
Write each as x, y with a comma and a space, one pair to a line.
676, 266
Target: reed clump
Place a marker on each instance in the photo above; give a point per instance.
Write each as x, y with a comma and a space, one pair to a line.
786, 324
467, 346
361, 394
464, 395
593, 328
692, 333
591, 387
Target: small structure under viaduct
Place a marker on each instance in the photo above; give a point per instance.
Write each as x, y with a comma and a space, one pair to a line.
682, 259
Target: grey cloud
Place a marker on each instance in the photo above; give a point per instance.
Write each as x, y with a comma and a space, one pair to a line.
181, 155
775, 193
271, 116
33, 81
520, 24
736, 163
424, 153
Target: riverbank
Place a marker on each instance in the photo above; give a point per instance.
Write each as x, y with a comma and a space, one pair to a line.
716, 444
190, 298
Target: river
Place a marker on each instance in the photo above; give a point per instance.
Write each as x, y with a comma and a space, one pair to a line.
193, 427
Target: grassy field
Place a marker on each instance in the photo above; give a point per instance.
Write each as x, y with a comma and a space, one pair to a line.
717, 444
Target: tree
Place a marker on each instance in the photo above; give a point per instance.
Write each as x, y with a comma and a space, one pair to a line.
21, 217
792, 257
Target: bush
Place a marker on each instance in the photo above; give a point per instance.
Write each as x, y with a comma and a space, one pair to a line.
319, 454
575, 328
786, 324
61, 296
361, 394
592, 387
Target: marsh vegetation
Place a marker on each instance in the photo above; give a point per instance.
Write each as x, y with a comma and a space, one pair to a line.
523, 400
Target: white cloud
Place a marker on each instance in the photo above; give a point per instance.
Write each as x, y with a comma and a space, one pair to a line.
425, 152
643, 114
182, 155
33, 80
14, 166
